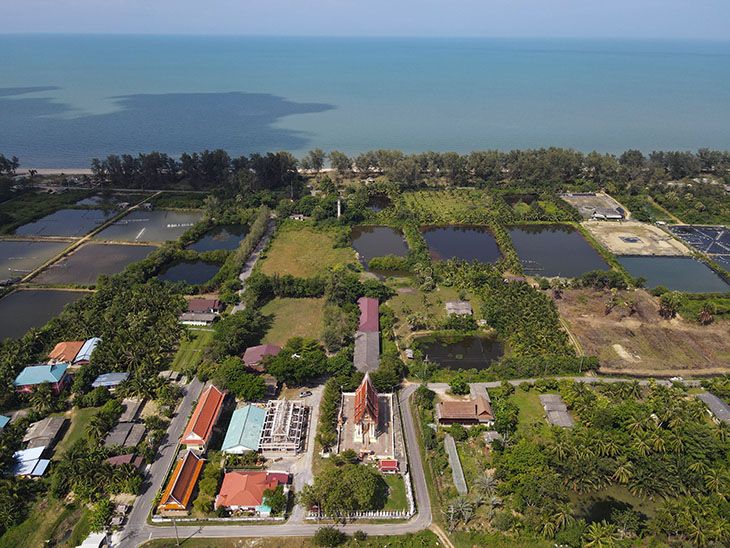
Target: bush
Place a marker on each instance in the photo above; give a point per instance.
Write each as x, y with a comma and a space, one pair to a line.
329, 537
459, 386
458, 432
503, 520
360, 536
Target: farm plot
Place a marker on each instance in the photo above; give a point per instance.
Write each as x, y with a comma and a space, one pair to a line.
450, 206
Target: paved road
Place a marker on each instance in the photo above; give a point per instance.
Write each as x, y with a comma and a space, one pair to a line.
251, 262
135, 532
292, 529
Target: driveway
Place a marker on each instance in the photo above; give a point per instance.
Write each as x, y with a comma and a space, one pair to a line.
251, 262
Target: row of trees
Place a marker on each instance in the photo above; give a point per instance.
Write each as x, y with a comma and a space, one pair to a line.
8, 166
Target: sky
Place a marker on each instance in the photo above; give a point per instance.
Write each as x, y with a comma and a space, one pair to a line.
687, 19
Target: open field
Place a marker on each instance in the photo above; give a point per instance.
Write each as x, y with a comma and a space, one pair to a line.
48, 519
190, 352
397, 499
455, 205
597, 203
643, 343
304, 252
634, 238
79, 419
293, 318
430, 305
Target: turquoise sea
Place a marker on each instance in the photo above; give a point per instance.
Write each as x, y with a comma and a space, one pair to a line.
65, 99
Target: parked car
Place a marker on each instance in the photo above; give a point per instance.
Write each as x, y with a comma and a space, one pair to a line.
304, 393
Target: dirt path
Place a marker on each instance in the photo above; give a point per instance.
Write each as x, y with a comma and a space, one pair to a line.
664, 210
441, 534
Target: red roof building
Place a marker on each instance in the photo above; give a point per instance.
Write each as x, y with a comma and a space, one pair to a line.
213, 306
197, 434
476, 411
65, 352
245, 490
388, 466
255, 354
368, 314
366, 408
177, 494
135, 460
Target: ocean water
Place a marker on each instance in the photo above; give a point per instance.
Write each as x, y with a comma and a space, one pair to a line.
66, 99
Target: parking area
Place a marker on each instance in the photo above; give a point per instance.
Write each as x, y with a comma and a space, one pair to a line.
594, 205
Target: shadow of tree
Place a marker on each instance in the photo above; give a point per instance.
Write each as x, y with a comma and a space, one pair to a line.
45, 133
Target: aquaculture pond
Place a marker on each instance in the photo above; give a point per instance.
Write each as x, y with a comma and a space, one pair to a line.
554, 250
110, 200
676, 273
379, 202
85, 264
28, 308
462, 242
66, 222
460, 352
20, 258
377, 241
193, 273
150, 226
223, 237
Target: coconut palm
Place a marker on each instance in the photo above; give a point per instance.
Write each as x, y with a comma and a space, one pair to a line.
601, 535
485, 484
623, 471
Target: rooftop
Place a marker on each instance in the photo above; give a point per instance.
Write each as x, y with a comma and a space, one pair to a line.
244, 430
29, 462
87, 349
476, 409
367, 350
204, 305
206, 413
66, 351
44, 432
366, 401
718, 407
135, 460
254, 354
37, 374
368, 314
556, 410
109, 379
245, 489
180, 487
130, 409
125, 434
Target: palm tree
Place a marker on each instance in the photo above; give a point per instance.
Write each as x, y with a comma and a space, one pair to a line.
563, 516
485, 484
623, 471
601, 535
42, 398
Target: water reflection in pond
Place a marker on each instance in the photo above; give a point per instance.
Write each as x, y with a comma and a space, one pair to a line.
461, 353
379, 202
193, 273
66, 222
223, 237
462, 242
378, 241
28, 308
20, 258
554, 250
675, 273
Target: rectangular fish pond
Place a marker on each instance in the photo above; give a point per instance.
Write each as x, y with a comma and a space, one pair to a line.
21, 310
377, 241
84, 265
222, 237
554, 250
460, 352
150, 226
195, 273
20, 258
66, 222
675, 273
467, 242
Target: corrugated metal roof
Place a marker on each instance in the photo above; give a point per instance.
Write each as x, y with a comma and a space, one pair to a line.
367, 351
87, 349
244, 431
719, 408
37, 374
109, 379
254, 354
4, 421
368, 314
204, 417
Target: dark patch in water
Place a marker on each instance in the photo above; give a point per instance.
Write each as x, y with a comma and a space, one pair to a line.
193, 273
22, 310
241, 123
378, 241
463, 353
462, 242
224, 237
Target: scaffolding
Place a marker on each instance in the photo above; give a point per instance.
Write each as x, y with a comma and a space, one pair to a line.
284, 427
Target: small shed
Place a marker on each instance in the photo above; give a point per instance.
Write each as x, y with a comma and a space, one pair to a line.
460, 308
44, 433
388, 466
110, 380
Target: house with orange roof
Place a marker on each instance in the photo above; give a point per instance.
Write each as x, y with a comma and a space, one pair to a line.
176, 498
198, 432
366, 409
244, 491
65, 351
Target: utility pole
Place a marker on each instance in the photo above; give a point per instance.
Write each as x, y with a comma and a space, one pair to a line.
177, 539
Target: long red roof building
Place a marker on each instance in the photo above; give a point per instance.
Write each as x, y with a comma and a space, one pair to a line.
197, 434
368, 314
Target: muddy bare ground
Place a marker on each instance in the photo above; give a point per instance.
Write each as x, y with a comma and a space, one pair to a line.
641, 342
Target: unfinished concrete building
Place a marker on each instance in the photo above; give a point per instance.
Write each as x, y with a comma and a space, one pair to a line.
284, 427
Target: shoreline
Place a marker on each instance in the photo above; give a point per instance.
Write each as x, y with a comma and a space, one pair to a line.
54, 171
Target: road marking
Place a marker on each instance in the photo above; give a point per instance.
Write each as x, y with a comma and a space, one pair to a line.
140, 233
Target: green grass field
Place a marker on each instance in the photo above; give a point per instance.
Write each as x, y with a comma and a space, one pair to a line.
304, 253
293, 318
397, 499
429, 304
48, 519
453, 205
190, 352
79, 418
531, 411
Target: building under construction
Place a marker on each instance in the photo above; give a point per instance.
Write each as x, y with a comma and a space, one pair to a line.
284, 429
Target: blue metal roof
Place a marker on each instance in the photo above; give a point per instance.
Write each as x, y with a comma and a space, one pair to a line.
4, 421
86, 350
244, 431
109, 379
37, 374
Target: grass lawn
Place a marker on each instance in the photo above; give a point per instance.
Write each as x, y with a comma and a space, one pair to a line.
531, 411
47, 519
431, 305
397, 499
304, 253
189, 353
293, 318
423, 539
79, 418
